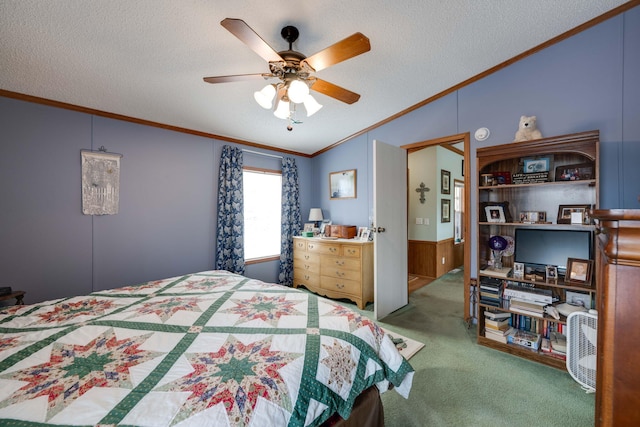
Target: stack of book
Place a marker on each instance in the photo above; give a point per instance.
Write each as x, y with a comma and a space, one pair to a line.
555, 346
497, 326
491, 291
530, 308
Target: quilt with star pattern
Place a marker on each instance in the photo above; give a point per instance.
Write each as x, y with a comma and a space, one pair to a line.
205, 349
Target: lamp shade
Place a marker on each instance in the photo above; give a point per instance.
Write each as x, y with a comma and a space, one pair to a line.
311, 105
315, 214
297, 91
282, 111
265, 96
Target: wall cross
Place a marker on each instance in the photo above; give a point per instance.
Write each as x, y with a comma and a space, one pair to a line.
422, 189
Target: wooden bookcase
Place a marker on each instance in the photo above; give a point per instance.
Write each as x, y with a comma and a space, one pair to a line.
506, 162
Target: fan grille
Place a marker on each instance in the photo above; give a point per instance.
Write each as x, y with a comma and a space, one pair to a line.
582, 333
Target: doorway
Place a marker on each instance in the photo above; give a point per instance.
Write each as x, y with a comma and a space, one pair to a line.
445, 202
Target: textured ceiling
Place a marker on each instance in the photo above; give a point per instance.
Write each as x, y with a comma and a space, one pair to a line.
146, 58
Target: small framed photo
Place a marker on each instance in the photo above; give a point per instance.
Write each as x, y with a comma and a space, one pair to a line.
536, 165
445, 182
365, 235
495, 214
567, 214
323, 225
575, 172
533, 217
342, 185
445, 210
579, 271
552, 273
518, 270
361, 232
308, 226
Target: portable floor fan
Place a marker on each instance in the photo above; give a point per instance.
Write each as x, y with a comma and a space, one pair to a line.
582, 338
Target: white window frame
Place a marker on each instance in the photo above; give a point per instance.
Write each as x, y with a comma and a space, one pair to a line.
249, 233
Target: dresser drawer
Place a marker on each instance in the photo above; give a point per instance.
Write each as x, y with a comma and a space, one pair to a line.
325, 248
306, 257
340, 262
299, 245
351, 251
340, 273
340, 285
306, 278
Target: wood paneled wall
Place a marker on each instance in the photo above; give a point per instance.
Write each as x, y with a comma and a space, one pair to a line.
425, 257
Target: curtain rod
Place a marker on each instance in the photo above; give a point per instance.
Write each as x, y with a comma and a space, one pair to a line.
262, 154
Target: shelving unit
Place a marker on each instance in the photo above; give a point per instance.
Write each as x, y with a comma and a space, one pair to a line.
574, 149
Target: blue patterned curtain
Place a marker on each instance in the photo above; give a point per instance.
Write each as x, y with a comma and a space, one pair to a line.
290, 219
230, 232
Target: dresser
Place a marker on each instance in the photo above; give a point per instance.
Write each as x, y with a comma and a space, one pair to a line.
618, 269
341, 268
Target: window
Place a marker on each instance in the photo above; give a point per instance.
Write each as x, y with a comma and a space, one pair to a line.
262, 213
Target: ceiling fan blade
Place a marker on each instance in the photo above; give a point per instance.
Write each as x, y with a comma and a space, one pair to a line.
235, 78
334, 91
353, 45
241, 30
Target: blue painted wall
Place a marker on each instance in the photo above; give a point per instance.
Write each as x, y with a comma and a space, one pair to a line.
167, 218
589, 81
166, 224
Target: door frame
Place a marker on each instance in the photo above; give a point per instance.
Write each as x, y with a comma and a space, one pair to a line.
449, 141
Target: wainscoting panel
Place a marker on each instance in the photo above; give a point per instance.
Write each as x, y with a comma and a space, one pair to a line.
425, 257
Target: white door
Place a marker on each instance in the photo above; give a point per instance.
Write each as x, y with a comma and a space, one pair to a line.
390, 220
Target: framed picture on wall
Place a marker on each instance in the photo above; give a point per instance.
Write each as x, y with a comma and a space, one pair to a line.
342, 184
445, 210
445, 182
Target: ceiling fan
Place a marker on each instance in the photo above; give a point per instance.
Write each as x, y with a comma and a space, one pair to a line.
293, 70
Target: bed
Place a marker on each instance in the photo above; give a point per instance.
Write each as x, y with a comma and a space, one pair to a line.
209, 348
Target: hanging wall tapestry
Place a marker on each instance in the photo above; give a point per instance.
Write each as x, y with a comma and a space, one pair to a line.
100, 183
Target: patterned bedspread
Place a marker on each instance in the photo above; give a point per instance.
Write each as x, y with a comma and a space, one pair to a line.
211, 348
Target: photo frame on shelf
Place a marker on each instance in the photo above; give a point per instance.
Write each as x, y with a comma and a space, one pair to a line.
579, 271
534, 165
577, 172
505, 209
445, 181
366, 235
361, 232
308, 226
323, 225
518, 270
445, 210
565, 211
551, 272
342, 185
495, 213
533, 217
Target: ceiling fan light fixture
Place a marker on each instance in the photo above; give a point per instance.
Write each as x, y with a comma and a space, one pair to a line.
311, 105
282, 110
297, 91
264, 97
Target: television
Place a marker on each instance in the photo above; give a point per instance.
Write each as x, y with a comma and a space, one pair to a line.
537, 248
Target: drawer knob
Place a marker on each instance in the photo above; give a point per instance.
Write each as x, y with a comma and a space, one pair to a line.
306, 277
306, 257
340, 263
351, 251
332, 249
339, 273
311, 246
306, 266
340, 285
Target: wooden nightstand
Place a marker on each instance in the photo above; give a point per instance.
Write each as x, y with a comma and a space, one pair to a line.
18, 295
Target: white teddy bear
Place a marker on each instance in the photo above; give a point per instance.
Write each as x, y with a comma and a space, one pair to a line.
527, 129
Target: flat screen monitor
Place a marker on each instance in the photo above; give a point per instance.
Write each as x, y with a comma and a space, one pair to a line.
538, 248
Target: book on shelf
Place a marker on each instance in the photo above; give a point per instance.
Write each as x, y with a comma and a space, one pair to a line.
528, 305
500, 336
496, 315
500, 325
497, 272
524, 338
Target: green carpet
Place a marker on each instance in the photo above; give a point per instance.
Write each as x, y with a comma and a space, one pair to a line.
459, 383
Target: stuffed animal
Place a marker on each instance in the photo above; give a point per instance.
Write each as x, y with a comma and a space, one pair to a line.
527, 129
